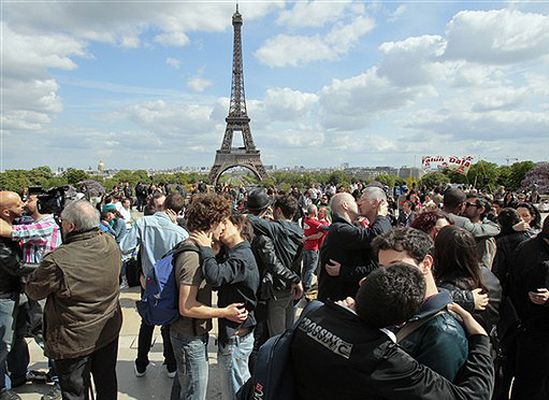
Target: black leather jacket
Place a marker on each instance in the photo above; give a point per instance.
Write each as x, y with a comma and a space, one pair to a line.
12, 268
503, 262
273, 274
350, 246
335, 355
278, 248
461, 293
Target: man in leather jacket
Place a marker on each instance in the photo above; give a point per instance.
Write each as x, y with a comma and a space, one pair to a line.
13, 347
347, 255
280, 280
339, 353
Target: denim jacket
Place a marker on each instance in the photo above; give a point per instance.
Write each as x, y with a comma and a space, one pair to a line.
156, 234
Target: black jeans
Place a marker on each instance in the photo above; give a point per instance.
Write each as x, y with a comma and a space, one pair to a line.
74, 374
144, 346
532, 367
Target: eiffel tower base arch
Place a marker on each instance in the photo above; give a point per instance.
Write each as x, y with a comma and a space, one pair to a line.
236, 158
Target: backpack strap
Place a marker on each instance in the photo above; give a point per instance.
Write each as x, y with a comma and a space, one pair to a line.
182, 247
411, 327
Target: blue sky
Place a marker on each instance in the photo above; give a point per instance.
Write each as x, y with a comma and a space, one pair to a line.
146, 84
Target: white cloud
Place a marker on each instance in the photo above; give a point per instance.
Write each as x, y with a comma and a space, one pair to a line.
176, 39
199, 84
398, 13
353, 103
286, 104
497, 36
173, 62
293, 50
420, 57
490, 126
312, 13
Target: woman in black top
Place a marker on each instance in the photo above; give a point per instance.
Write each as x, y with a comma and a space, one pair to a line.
457, 269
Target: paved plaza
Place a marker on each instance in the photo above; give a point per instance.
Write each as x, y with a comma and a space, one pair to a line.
155, 384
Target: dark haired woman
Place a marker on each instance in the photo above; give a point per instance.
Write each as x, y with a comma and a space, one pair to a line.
530, 214
457, 269
235, 276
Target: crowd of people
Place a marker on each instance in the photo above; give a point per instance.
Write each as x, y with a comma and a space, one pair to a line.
427, 293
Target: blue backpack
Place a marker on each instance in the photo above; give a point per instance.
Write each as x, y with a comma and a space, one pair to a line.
273, 376
159, 301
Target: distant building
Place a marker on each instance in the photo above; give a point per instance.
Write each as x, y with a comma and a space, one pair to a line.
101, 167
410, 172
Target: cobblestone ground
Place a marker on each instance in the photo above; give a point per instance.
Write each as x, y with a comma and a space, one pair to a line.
154, 385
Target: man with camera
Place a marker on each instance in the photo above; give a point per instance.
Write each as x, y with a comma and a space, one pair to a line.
13, 347
38, 235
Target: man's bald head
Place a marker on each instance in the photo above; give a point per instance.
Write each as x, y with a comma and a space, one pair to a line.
11, 206
344, 205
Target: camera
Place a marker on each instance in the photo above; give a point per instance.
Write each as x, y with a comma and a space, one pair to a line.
53, 200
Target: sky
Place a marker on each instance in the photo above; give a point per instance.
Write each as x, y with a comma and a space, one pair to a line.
146, 84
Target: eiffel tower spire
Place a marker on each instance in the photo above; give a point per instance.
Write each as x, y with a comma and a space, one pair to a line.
237, 108
237, 120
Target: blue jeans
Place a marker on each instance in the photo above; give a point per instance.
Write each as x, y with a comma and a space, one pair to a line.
191, 356
13, 347
310, 261
232, 359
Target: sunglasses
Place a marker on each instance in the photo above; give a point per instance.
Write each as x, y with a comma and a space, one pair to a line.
467, 204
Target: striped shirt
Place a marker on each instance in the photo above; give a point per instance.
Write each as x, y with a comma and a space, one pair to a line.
37, 238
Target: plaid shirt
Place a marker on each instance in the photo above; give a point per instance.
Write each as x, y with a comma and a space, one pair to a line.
37, 238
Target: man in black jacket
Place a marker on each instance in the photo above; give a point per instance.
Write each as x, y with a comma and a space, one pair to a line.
13, 347
347, 255
287, 240
338, 353
530, 295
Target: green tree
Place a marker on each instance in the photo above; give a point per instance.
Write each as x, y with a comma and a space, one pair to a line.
435, 179
40, 176
14, 180
73, 175
483, 174
389, 180
519, 170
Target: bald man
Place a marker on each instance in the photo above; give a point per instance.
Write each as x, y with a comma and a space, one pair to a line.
13, 347
346, 255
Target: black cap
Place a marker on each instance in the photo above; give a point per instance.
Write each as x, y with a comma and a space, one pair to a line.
258, 200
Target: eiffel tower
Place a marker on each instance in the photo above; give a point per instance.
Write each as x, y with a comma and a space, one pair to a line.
237, 121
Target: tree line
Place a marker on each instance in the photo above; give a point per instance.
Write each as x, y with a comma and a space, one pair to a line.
483, 174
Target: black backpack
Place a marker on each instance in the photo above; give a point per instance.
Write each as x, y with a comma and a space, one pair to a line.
273, 377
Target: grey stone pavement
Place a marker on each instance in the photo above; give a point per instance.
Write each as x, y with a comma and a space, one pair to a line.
155, 384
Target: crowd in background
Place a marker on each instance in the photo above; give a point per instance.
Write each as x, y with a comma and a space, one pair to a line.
262, 250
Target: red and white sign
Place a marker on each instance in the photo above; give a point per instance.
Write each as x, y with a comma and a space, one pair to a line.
460, 165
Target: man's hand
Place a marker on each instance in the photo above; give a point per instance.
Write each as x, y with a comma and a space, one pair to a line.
235, 312
202, 239
172, 215
481, 299
333, 268
521, 226
383, 208
297, 290
349, 302
471, 325
5, 229
539, 297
